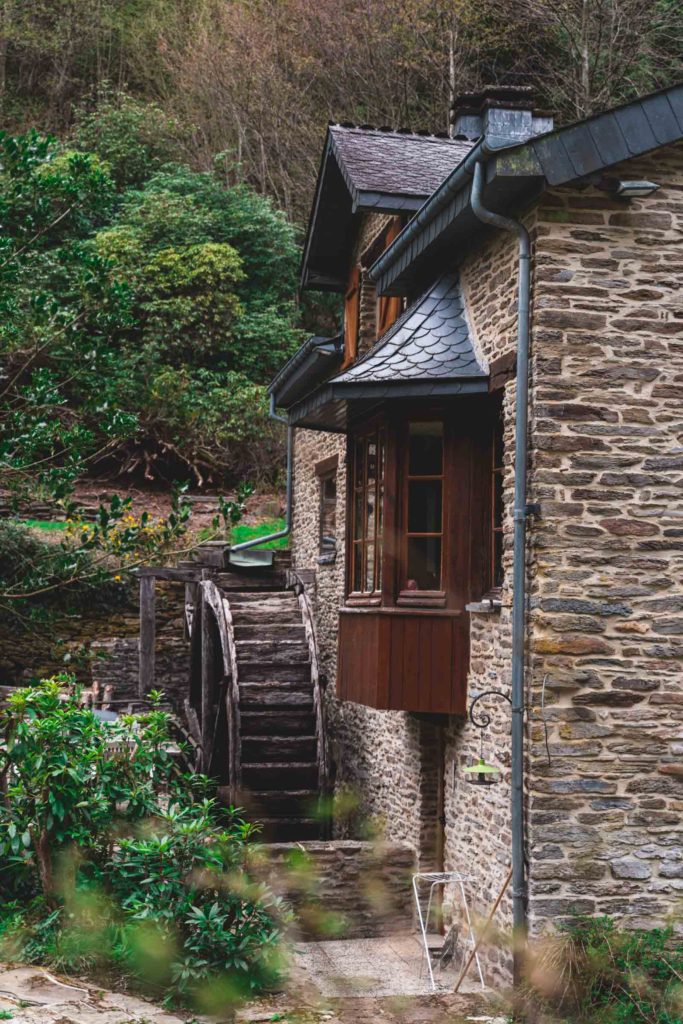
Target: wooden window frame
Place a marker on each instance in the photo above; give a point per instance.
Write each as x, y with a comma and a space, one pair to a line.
325, 471
363, 596
388, 308
352, 316
423, 598
466, 503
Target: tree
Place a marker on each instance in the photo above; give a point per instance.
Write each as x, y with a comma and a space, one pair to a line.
138, 327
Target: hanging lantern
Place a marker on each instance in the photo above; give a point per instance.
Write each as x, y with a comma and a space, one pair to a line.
482, 774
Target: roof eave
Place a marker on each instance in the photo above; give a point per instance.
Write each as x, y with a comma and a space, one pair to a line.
312, 411
316, 360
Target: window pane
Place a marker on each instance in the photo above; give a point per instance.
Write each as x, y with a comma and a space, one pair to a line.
424, 563
359, 463
372, 463
371, 499
369, 567
357, 567
425, 455
358, 510
424, 506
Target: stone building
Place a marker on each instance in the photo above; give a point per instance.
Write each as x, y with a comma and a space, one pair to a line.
403, 468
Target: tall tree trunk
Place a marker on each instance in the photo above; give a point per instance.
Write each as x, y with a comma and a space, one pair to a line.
45, 866
451, 79
585, 78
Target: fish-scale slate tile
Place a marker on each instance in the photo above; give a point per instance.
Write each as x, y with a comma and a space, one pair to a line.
395, 163
430, 340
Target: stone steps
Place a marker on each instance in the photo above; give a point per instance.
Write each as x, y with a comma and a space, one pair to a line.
274, 671
263, 749
280, 776
291, 721
273, 652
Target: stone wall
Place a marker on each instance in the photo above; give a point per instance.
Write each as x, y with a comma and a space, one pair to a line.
404, 770
606, 822
344, 889
605, 580
477, 820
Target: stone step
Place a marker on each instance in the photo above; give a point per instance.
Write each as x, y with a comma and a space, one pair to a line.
260, 749
285, 804
274, 652
256, 615
273, 671
272, 697
291, 830
268, 580
269, 631
276, 598
280, 776
291, 721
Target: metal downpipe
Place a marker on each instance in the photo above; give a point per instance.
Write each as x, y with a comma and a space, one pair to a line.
288, 501
519, 890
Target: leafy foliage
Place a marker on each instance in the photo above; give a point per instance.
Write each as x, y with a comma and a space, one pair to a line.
106, 292
595, 973
134, 138
122, 861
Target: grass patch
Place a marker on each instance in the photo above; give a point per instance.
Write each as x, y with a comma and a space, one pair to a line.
43, 524
243, 532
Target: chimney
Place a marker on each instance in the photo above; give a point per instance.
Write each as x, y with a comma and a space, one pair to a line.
505, 114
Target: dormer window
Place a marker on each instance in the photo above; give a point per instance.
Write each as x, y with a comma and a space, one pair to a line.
351, 317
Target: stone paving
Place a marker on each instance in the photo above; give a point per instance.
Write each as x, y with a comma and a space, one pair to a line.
347, 982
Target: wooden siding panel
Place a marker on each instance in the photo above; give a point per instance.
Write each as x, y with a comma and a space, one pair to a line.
403, 660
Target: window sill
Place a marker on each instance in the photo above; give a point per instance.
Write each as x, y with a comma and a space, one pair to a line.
328, 558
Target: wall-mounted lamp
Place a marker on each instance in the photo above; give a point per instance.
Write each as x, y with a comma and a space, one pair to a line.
627, 189
481, 773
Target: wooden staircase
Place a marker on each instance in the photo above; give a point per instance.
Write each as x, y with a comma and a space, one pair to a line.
274, 736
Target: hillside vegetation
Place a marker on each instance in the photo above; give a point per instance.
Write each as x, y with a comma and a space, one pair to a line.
157, 166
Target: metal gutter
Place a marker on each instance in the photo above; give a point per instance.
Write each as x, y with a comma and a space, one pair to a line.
455, 181
313, 349
519, 890
288, 504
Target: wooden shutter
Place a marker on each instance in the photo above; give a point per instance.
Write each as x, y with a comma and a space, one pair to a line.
389, 307
351, 317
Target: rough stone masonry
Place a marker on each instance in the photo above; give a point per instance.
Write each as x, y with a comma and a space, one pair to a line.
605, 629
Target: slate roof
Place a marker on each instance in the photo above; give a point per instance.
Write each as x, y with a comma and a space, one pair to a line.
395, 163
364, 169
427, 353
431, 340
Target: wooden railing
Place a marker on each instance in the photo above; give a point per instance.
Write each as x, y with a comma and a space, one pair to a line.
318, 680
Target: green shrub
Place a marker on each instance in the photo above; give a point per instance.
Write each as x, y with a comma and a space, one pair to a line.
115, 860
135, 139
596, 973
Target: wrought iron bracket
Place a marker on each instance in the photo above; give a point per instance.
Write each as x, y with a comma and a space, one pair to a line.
484, 719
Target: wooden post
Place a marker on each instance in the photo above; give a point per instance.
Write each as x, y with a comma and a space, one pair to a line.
207, 682
484, 931
147, 635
